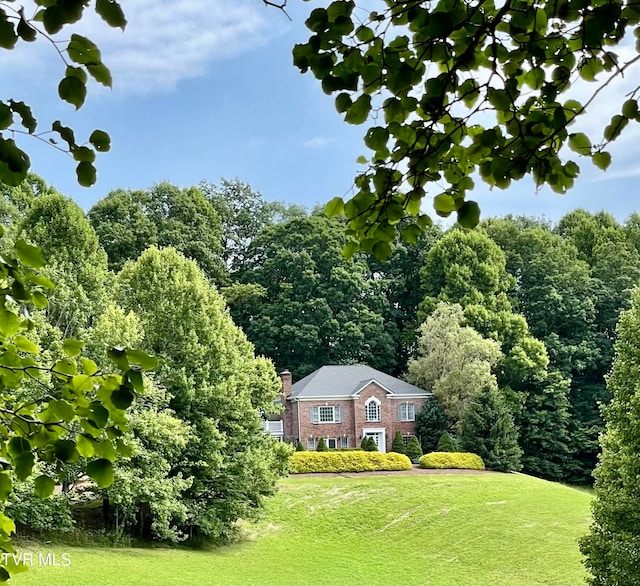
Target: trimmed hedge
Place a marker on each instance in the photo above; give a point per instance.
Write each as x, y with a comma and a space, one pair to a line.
306, 462
464, 460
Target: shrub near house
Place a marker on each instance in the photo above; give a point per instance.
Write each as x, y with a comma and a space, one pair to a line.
307, 462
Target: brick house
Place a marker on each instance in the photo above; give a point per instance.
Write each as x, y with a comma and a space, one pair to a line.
343, 404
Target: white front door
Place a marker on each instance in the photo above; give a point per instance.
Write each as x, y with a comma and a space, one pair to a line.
378, 435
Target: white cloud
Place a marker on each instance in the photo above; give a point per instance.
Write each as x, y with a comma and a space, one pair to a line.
318, 142
165, 41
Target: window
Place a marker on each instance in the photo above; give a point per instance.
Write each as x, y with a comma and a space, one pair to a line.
311, 444
345, 442
372, 409
326, 414
406, 439
332, 443
407, 412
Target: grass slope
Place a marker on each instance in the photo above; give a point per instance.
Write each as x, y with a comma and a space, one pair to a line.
443, 530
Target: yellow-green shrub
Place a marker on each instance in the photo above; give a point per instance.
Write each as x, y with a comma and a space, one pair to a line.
306, 462
464, 460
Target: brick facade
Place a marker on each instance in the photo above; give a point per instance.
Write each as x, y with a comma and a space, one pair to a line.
353, 416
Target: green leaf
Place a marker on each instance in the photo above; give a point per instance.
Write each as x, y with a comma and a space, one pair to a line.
86, 174
71, 89
469, 214
334, 208
9, 323
62, 410
39, 300
65, 133
8, 37
101, 73
99, 415
85, 446
23, 465
579, 142
105, 449
65, 450
100, 141
359, 110
81, 383
135, 378
25, 345
602, 160
14, 163
142, 359
22, 110
111, 13
362, 160
376, 138
72, 348
343, 102
25, 31
76, 72
101, 471
6, 116
382, 251
615, 128
122, 398
88, 366
65, 367
118, 356
83, 154
6, 486
44, 486
83, 51
630, 109
350, 248
29, 255
123, 449
444, 203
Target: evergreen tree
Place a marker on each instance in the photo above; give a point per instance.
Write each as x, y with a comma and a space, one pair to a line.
397, 444
446, 443
489, 431
413, 450
431, 422
322, 446
611, 548
300, 447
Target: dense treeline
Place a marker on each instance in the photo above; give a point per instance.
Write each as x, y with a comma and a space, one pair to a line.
199, 457
512, 325
549, 294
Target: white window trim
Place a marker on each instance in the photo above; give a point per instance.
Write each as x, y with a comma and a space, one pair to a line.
366, 409
406, 408
335, 442
336, 414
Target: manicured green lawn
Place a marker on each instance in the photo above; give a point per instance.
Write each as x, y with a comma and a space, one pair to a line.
479, 530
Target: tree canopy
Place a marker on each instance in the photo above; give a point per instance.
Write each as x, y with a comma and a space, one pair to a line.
426, 73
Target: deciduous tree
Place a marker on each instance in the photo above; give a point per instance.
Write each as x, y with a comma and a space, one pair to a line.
427, 72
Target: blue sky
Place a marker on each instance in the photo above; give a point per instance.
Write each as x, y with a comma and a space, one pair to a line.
204, 90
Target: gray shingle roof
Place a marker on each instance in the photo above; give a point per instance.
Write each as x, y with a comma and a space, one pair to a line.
346, 380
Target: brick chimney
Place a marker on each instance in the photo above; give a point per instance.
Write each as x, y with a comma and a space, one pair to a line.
287, 381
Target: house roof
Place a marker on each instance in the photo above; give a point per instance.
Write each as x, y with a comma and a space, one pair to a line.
348, 380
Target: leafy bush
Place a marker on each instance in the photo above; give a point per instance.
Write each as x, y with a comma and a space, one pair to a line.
34, 514
413, 450
322, 446
300, 447
397, 446
306, 462
463, 460
446, 443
